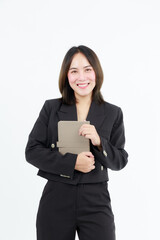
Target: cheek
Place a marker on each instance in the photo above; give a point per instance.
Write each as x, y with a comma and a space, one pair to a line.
93, 77
71, 78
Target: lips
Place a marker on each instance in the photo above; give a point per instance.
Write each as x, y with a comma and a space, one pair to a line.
82, 85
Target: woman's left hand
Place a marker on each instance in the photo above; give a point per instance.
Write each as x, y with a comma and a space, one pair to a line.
89, 131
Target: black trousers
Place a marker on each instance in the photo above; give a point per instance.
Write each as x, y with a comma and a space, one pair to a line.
65, 209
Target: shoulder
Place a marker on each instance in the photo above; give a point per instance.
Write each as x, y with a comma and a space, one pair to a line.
53, 101
113, 111
111, 107
52, 104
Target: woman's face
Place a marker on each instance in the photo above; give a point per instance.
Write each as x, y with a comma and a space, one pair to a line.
81, 76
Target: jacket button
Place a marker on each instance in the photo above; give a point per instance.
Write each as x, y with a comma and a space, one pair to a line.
104, 152
52, 145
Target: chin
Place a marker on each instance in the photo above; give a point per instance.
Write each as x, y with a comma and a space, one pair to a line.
83, 94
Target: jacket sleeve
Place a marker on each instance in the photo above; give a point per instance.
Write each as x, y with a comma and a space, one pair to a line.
112, 154
42, 156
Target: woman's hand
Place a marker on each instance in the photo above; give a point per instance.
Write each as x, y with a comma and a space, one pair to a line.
89, 131
85, 162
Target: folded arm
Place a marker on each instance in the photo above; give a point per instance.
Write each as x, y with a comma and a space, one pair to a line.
111, 153
42, 156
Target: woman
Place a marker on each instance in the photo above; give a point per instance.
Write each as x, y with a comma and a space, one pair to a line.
76, 197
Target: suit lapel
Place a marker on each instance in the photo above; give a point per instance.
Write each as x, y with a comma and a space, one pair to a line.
95, 115
67, 112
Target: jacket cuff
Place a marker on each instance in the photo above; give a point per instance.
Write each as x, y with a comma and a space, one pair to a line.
102, 151
68, 165
110, 156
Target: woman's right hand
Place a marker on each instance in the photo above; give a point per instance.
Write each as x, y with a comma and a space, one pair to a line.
85, 162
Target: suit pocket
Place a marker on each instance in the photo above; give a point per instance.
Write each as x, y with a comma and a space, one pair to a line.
47, 191
106, 192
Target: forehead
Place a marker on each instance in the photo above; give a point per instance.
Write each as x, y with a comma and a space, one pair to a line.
79, 60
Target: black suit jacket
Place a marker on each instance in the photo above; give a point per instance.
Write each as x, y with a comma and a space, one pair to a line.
42, 152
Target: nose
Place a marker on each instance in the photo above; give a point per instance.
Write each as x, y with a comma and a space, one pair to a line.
81, 76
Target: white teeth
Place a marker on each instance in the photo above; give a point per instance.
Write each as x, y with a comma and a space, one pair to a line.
82, 85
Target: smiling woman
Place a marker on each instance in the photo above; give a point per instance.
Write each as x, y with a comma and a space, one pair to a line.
81, 76
76, 196
80, 70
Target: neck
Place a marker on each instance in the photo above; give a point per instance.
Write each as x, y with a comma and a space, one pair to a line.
83, 100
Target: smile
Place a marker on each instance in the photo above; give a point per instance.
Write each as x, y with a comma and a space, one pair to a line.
82, 86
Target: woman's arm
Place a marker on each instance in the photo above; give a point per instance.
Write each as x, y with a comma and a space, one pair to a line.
111, 153
46, 158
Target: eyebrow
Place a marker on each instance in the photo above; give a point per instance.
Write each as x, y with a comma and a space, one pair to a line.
83, 67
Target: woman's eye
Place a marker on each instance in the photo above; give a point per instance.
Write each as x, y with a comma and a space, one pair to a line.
88, 69
74, 71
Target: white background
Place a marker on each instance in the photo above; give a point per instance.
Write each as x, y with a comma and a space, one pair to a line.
34, 37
